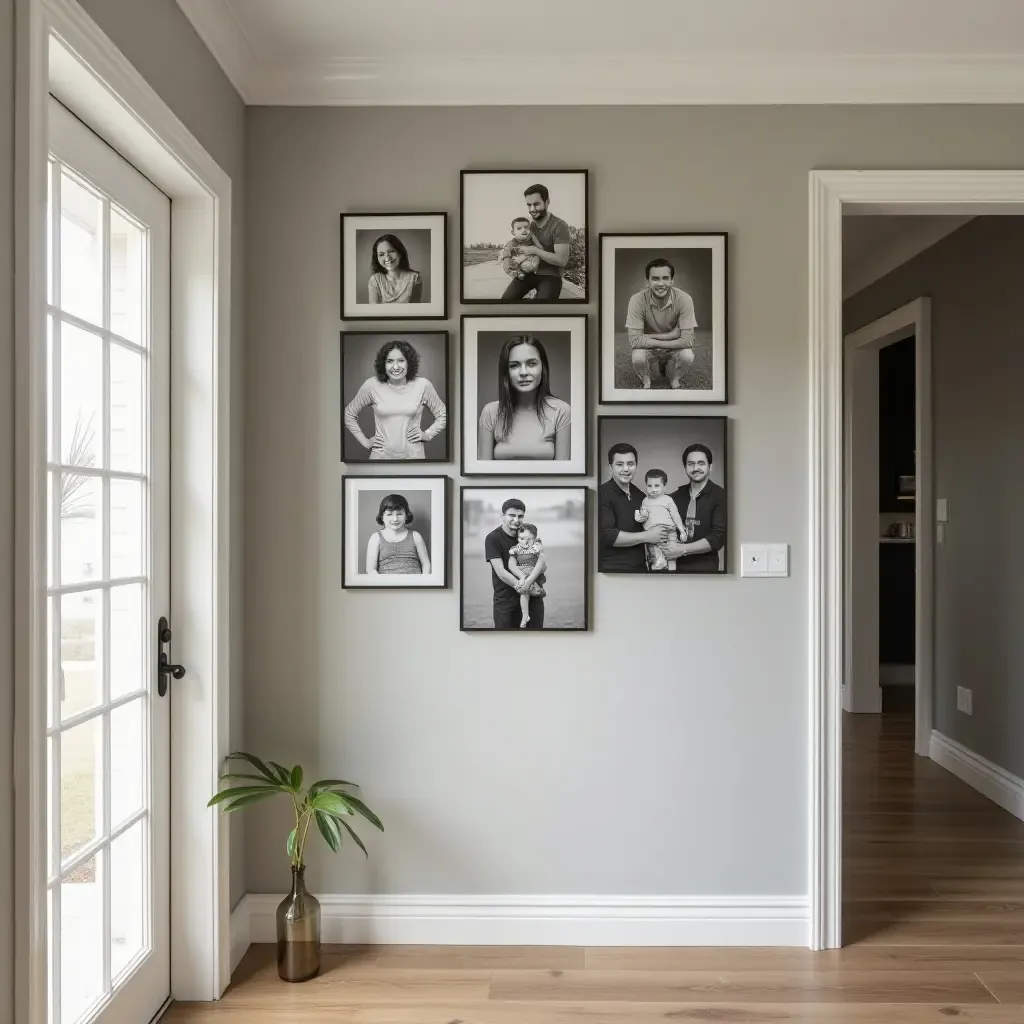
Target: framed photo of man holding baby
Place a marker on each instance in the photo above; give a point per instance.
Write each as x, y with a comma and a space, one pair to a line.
662, 502
524, 558
663, 308
395, 532
524, 237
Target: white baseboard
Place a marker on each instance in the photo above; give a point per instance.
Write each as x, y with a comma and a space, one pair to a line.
546, 920
241, 931
987, 778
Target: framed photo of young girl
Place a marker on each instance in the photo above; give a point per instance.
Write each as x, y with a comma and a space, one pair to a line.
395, 532
524, 558
524, 395
663, 307
393, 266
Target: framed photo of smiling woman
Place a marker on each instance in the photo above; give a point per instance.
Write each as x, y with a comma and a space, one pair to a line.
524, 395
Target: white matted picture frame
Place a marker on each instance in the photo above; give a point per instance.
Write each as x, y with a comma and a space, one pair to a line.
394, 266
524, 395
396, 532
664, 318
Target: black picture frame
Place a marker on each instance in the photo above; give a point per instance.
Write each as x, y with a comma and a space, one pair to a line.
347, 441
356, 581
355, 311
712, 353
578, 326
584, 492
521, 176
713, 431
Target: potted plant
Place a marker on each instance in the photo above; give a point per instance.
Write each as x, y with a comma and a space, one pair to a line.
327, 802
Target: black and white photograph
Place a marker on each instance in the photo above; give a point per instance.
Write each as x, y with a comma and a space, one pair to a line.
661, 502
524, 558
524, 236
395, 532
394, 396
393, 266
524, 395
663, 303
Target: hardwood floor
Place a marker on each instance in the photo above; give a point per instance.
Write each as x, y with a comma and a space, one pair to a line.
934, 912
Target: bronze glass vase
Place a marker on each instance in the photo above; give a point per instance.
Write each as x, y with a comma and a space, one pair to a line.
298, 931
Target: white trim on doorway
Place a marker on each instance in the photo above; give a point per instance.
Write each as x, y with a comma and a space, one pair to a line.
912, 320
830, 193
62, 51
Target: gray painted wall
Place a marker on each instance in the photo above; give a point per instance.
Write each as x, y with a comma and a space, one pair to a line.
663, 752
973, 279
6, 509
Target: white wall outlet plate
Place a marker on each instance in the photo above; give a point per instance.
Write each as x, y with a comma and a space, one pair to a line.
965, 700
941, 510
753, 559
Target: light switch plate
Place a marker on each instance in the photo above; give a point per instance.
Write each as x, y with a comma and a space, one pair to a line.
941, 510
753, 559
778, 559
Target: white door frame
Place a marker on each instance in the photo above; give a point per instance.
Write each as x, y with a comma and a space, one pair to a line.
912, 320
60, 49
877, 192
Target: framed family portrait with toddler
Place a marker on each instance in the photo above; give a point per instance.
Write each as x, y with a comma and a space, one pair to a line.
395, 532
663, 309
524, 395
393, 266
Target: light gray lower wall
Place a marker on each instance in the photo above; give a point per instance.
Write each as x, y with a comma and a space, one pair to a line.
6, 509
160, 42
973, 277
665, 752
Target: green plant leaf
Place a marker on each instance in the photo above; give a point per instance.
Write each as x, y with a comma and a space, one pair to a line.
332, 803
328, 784
293, 837
256, 778
296, 778
283, 775
240, 791
329, 830
251, 798
359, 841
255, 762
361, 808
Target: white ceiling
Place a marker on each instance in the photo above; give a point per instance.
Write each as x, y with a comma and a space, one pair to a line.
613, 51
874, 246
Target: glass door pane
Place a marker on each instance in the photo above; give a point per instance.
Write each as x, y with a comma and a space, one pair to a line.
107, 733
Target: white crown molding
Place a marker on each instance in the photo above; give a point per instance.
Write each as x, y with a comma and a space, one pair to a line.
224, 38
543, 920
590, 79
987, 778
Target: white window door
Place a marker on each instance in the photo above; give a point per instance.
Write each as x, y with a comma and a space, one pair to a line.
107, 735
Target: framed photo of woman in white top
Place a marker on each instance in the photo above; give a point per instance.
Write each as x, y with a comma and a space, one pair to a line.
395, 396
524, 395
393, 266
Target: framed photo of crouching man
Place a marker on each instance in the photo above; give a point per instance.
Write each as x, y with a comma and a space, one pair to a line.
663, 303
662, 503
524, 558
395, 532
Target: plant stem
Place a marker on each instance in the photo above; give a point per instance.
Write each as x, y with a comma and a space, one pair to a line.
301, 845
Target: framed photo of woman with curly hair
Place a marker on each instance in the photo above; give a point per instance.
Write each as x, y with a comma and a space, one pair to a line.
393, 266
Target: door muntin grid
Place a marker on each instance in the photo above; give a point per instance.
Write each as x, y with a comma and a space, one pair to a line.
99, 737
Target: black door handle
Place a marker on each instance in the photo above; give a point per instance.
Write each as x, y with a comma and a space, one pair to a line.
164, 666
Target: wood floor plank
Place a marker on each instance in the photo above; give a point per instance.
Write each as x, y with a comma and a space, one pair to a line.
1006, 985
552, 958
740, 986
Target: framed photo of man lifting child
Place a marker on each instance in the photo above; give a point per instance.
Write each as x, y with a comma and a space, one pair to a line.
661, 503
663, 309
524, 237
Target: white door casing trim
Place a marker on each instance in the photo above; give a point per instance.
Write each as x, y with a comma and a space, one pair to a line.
539, 920
913, 319
830, 191
61, 50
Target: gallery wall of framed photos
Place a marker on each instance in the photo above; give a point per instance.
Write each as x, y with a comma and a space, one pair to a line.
524, 413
